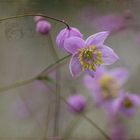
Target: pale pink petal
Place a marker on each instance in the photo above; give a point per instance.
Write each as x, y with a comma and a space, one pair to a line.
73, 44
108, 55
75, 66
97, 39
120, 74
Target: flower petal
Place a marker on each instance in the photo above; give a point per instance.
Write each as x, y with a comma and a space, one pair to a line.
97, 39
75, 66
90, 72
73, 44
108, 55
89, 82
120, 74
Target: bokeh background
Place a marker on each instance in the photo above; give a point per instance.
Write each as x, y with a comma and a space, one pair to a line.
25, 111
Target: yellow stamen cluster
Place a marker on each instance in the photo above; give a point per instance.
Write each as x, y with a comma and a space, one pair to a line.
90, 58
127, 103
109, 86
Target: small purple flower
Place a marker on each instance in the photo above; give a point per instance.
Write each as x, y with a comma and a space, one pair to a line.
117, 132
42, 25
90, 54
65, 34
77, 103
126, 104
106, 85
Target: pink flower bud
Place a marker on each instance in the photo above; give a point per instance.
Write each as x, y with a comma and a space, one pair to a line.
42, 26
65, 34
77, 103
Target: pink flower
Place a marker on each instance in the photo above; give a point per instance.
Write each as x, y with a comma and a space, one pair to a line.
42, 25
126, 104
77, 103
65, 34
117, 132
90, 54
106, 85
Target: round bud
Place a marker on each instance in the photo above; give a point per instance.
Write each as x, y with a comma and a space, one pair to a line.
65, 34
77, 103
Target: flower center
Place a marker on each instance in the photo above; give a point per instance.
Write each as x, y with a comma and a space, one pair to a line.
127, 103
109, 86
90, 57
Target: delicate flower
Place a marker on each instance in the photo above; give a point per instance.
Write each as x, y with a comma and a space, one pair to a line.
42, 25
90, 54
106, 85
117, 132
126, 104
111, 22
65, 34
77, 103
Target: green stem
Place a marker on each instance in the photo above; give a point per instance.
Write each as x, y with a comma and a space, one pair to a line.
54, 64
29, 15
25, 82
84, 116
17, 84
57, 102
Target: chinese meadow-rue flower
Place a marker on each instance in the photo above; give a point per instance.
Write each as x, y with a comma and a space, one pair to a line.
42, 25
77, 103
65, 34
90, 54
106, 85
126, 104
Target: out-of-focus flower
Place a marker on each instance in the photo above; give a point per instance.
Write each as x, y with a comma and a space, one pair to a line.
111, 22
90, 54
77, 103
117, 132
126, 104
42, 25
65, 34
106, 85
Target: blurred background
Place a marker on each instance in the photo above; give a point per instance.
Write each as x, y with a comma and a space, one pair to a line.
26, 111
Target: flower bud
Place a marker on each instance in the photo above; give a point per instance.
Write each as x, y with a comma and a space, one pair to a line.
65, 34
77, 103
42, 25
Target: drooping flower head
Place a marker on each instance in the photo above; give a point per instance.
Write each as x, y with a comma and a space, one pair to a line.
77, 103
90, 54
65, 34
126, 104
42, 25
106, 85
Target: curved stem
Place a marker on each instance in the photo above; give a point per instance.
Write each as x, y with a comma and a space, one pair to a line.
83, 115
28, 15
17, 84
52, 65
38, 77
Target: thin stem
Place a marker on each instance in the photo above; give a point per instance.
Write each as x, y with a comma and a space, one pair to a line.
57, 103
84, 116
17, 84
96, 126
25, 82
52, 65
29, 15
71, 127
